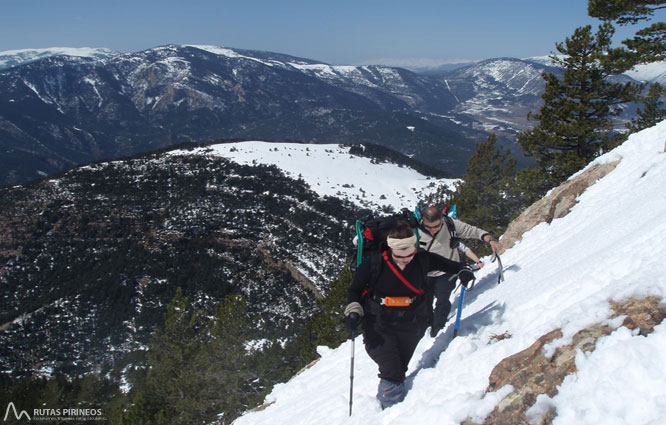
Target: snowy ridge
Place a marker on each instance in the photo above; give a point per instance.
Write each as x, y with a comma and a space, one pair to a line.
651, 72
611, 246
654, 72
498, 93
9, 58
230, 53
330, 170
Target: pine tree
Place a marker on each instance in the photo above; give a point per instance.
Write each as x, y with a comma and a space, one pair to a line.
198, 367
325, 327
652, 111
528, 186
648, 44
170, 391
575, 121
232, 385
53, 393
482, 193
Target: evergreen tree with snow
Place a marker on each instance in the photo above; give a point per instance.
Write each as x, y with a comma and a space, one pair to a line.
575, 122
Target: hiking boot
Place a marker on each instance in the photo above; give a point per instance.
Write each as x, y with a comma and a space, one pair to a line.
390, 393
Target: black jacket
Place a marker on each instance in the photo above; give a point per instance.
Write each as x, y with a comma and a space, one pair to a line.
388, 284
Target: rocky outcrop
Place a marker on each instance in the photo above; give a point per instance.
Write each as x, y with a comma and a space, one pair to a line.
556, 205
531, 373
293, 271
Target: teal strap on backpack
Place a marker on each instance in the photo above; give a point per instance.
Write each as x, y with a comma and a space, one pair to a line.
359, 242
417, 217
360, 229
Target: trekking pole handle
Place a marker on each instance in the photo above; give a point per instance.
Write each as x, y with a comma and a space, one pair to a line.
473, 268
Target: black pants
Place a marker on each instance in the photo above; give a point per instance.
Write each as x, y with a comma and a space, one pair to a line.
391, 344
443, 287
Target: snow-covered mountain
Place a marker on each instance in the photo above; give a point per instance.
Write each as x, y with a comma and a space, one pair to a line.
564, 276
654, 72
62, 110
9, 58
651, 73
60, 107
497, 94
330, 170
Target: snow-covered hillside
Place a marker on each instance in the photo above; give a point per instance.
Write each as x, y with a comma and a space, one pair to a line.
10, 58
654, 72
651, 72
330, 170
611, 246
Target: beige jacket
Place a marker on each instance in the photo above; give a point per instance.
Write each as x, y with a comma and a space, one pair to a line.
442, 241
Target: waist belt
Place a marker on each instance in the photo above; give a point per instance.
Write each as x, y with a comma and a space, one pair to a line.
407, 310
396, 301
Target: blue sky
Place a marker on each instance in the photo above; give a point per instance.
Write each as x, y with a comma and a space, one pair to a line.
337, 32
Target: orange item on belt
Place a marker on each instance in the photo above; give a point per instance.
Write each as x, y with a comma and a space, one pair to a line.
396, 301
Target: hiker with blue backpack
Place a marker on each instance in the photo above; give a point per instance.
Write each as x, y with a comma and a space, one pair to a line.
390, 296
442, 235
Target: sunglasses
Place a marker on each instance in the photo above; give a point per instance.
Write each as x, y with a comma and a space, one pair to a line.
402, 257
432, 227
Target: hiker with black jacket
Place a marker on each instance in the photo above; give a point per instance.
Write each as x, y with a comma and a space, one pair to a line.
393, 302
442, 235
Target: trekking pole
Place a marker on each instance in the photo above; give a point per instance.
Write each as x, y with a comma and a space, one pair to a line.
460, 304
351, 374
459, 313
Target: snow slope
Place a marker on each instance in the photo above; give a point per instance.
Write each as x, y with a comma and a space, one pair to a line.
330, 170
611, 246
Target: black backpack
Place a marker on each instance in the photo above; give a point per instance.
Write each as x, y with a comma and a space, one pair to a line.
371, 235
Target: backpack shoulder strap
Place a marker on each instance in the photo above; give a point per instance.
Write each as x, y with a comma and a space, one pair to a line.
375, 270
417, 291
450, 225
424, 262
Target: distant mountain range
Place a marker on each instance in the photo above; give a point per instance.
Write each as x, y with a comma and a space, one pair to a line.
61, 107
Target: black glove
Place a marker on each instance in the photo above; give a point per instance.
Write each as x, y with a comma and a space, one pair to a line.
353, 314
466, 276
352, 320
